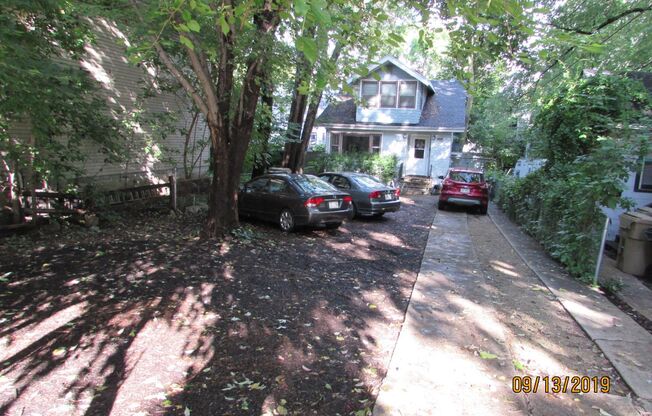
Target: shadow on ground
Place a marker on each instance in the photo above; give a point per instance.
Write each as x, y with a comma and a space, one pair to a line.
154, 321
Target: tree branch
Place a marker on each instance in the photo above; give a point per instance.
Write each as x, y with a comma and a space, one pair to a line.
167, 61
199, 65
169, 64
604, 24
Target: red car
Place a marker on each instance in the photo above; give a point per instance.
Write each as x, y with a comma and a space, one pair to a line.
464, 187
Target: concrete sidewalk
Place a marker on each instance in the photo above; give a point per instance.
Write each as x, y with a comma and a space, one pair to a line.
625, 343
634, 293
466, 328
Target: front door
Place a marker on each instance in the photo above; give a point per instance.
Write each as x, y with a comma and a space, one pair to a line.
418, 155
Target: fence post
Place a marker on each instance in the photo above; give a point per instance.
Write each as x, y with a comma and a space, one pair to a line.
173, 191
599, 262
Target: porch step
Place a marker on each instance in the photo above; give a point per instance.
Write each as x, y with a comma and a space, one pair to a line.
416, 185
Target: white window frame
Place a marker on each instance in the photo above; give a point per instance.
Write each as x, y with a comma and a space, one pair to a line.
378, 97
639, 185
339, 137
341, 134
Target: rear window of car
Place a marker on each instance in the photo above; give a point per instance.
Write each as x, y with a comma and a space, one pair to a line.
368, 181
312, 184
468, 177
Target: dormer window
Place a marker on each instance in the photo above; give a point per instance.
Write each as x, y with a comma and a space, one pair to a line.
407, 94
389, 94
370, 93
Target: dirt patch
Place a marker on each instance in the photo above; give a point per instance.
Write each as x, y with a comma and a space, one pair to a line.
144, 318
640, 319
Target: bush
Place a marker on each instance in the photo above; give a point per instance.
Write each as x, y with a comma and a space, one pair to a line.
560, 206
381, 166
591, 132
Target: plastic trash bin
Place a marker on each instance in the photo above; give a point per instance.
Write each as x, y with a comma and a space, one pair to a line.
634, 249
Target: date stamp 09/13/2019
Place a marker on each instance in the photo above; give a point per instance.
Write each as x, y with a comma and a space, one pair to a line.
561, 384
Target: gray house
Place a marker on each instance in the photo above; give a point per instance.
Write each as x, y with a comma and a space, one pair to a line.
402, 113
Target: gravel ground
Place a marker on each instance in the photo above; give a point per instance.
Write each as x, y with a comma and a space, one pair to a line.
142, 317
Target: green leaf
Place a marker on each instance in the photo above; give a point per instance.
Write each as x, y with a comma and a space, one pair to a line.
223, 25
319, 9
187, 42
300, 7
308, 47
281, 410
518, 365
194, 26
487, 355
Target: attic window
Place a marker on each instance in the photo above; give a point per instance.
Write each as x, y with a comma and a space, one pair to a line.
388, 94
407, 94
370, 93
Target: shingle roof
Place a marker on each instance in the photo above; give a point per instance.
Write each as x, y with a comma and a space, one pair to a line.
448, 107
444, 109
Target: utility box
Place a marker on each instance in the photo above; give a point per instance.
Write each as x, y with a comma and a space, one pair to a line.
634, 248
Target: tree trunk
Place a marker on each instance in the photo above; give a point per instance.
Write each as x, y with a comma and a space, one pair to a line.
311, 116
308, 124
469, 97
295, 122
260, 161
186, 171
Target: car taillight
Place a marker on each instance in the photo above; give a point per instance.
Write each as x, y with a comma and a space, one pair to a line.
397, 192
347, 199
374, 195
314, 201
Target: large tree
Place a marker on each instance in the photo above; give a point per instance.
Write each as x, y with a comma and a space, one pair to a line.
218, 52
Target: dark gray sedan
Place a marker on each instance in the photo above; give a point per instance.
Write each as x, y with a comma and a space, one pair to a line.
293, 200
370, 195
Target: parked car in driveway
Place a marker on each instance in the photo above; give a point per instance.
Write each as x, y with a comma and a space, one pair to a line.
464, 187
370, 195
293, 200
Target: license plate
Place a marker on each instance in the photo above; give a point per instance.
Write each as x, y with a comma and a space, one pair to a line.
388, 196
333, 205
465, 190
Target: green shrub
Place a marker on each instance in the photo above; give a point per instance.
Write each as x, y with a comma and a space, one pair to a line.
381, 166
591, 132
561, 206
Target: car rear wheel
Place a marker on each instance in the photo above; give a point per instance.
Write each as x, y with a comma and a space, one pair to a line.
354, 211
441, 205
286, 221
483, 210
333, 225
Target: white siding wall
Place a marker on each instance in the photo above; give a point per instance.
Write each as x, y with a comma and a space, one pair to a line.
394, 144
640, 199
440, 154
122, 84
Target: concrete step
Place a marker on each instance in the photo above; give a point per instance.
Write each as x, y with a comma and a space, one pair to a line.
416, 185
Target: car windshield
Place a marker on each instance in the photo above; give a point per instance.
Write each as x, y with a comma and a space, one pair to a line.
312, 184
468, 177
368, 181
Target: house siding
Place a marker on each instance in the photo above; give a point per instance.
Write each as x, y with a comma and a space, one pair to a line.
640, 199
440, 152
387, 115
394, 144
121, 83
